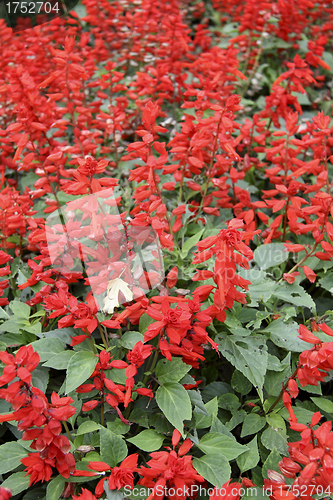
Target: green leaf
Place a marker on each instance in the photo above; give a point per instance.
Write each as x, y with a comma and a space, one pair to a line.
202, 421
10, 456
255, 492
80, 367
286, 335
78, 405
260, 316
175, 403
238, 418
55, 487
240, 383
113, 447
248, 355
63, 334
270, 255
3, 314
302, 98
129, 339
253, 423
215, 389
196, 400
36, 328
276, 365
313, 389
260, 290
303, 415
191, 242
229, 402
113, 494
220, 443
276, 421
17, 482
328, 58
40, 378
47, 348
171, 371
214, 468
144, 322
272, 438
147, 440
294, 294
20, 309
35, 494
272, 462
139, 417
274, 381
220, 428
118, 427
117, 376
324, 404
60, 361
250, 458
327, 282
13, 325
88, 426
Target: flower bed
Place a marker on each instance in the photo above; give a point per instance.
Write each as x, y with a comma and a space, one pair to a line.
166, 252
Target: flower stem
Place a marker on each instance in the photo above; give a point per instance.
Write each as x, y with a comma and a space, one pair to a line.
106, 344
67, 431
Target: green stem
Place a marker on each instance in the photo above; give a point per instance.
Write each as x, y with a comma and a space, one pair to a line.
67, 431
92, 345
151, 368
203, 195
102, 411
285, 220
293, 376
106, 345
296, 266
128, 411
13, 286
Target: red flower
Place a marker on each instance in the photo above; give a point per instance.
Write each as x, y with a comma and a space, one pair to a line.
311, 275
38, 468
227, 492
120, 476
175, 321
123, 475
5, 494
84, 495
139, 353
21, 366
136, 357
169, 469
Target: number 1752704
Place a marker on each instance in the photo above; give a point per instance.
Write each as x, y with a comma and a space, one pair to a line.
33, 7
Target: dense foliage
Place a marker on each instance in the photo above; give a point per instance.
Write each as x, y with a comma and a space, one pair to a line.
166, 224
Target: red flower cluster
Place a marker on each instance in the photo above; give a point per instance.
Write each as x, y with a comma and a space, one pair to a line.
317, 362
73, 312
72, 95
120, 476
171, 469
101, 382
310, 463
224, 247
40, 420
